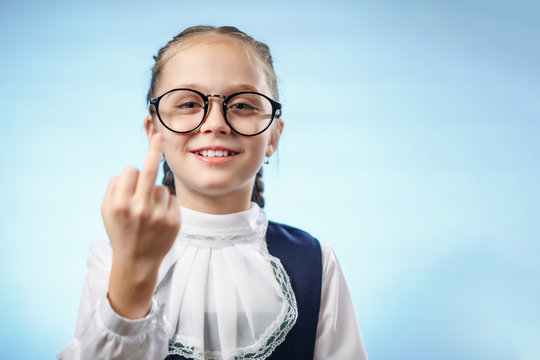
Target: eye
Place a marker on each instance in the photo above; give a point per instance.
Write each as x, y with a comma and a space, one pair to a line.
241, 106
189, 105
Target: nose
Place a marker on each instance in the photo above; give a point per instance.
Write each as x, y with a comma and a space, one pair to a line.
214, 122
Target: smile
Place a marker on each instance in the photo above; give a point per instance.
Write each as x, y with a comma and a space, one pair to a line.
215, 153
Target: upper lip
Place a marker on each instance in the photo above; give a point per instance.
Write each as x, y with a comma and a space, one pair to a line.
215, 148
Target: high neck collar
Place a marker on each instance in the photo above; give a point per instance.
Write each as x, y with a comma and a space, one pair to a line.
242, 226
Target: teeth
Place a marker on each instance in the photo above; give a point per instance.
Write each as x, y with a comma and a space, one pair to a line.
215, 153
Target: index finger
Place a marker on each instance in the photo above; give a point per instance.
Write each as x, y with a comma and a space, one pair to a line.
147, 178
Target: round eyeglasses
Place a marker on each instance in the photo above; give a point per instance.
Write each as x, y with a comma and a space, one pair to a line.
247, 113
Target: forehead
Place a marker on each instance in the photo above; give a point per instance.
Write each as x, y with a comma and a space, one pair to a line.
213, 65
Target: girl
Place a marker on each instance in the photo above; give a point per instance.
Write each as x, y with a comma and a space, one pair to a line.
194, 269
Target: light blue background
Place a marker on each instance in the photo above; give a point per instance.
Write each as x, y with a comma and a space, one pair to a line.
410, 146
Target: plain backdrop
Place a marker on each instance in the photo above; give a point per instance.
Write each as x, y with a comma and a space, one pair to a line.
410, 146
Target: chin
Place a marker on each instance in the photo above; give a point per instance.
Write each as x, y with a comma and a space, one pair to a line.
218, 187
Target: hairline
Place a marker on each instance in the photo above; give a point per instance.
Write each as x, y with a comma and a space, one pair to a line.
191, 41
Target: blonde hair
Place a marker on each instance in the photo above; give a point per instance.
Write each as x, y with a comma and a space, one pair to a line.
256, 51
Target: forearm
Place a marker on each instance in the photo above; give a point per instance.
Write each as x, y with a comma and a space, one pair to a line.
131, 287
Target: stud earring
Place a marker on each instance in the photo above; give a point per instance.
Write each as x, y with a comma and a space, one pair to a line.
268, 154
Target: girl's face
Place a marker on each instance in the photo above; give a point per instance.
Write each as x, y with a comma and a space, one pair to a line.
219, 184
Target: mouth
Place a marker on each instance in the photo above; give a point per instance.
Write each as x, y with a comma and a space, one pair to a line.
214, 153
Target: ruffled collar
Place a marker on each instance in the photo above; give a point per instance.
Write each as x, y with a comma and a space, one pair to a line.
224, 296
202, 230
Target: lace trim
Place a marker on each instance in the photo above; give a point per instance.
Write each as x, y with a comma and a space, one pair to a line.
208, 241
273, 336
218, 237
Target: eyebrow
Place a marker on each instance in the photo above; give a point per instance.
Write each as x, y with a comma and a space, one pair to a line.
230, 89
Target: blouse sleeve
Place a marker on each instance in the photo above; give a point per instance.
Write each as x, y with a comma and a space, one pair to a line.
338, 333
103, 334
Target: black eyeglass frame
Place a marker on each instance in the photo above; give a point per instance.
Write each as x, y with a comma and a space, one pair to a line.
275, 108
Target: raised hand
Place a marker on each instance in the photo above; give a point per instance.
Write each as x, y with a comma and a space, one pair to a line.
142, 221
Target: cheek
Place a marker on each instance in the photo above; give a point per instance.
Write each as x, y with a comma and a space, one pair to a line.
175, 143
174, 151
258, 149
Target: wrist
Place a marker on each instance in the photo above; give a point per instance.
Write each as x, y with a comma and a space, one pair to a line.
123, 326
131, 288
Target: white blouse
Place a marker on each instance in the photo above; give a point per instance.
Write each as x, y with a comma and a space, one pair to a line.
219, 295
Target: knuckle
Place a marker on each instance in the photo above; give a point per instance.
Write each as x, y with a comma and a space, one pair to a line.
121, 211
142, 213
129, 174
148, 173
161, 188
161, 192
130, 171
112, 183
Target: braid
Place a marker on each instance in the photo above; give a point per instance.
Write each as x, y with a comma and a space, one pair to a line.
258, 188
168, 178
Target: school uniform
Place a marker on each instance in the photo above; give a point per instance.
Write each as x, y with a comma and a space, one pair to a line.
233, 286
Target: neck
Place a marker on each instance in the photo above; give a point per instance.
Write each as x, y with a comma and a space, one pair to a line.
214, 203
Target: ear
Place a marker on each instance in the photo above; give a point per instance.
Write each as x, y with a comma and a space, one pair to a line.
274, 137
149, 126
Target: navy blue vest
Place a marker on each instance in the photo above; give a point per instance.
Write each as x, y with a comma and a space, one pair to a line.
300, 254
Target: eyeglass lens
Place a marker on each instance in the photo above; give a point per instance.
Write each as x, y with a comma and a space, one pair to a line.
184, 110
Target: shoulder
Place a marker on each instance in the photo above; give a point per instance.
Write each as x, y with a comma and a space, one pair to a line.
291, 234
330, 262
301, 238
296, 248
